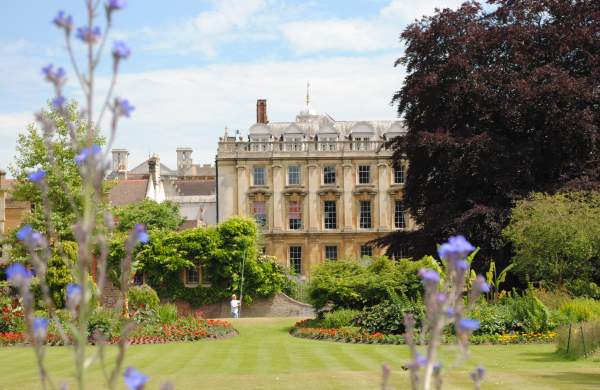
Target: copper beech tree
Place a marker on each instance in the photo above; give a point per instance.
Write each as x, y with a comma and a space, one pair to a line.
500, 100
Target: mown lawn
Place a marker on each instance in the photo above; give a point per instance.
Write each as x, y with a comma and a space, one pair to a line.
264, 356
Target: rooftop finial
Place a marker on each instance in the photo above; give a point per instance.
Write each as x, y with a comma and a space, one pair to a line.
307, 93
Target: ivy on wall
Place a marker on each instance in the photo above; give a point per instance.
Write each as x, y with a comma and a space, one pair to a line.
220, 252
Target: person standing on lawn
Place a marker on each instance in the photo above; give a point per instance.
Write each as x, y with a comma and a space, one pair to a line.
235, 306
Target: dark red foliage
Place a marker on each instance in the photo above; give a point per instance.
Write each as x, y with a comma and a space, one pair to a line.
500, 101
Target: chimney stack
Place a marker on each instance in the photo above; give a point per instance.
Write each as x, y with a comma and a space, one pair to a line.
261, 111
120, 163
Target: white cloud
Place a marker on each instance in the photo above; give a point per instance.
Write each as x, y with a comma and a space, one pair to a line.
206, 31
191, 107
11, 124
334, 34
408, 10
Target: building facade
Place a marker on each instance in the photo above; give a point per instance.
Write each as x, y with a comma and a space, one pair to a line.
320, 189
192, 186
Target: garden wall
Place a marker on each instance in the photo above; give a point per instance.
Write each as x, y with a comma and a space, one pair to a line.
280, 305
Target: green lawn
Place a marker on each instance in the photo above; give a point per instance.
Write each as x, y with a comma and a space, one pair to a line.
264, 356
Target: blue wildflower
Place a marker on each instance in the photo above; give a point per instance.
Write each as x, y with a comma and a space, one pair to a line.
468, 324
457, 248
37, 176
462, 265
90, 152
74, 293
141, 234
89, 35
429, 275
134, 379
114, 5
24, 233
55, 76
63, 21
480, 285
17, 274
59, 102
121, 50
40, 328
123, 107
420, 360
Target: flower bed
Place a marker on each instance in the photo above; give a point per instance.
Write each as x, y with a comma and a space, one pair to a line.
189, 329
306, 329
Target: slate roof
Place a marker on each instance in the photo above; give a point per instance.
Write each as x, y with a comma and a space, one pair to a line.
128, 191
195, 187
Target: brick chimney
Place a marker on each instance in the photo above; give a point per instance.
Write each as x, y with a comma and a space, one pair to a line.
261, 111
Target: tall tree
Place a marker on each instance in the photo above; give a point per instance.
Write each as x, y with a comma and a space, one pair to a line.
33, 153
154, 215
500, 101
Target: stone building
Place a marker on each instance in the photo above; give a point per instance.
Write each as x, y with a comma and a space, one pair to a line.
12, 211
191, 185
319, 188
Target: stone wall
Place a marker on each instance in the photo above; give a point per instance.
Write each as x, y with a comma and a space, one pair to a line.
279, 305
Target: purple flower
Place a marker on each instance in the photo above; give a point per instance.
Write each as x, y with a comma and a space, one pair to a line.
429, 276
134, 379
24, 233
480, 285
441, 297
462, 265
40, 328
29, 236
55, 76
89, 35
450, 312
74, 293
420, 360
63, 21
123, 107
59, 102
121, 50
468, 324
37, 176
457, 248
114, 5
141, 234
90, 152
17, 274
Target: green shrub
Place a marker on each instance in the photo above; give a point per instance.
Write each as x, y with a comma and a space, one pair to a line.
167, 313
351, 285
104, 321
584, 288
339, 318
493, 318
581, 309
528, 313
388, 317
143, 296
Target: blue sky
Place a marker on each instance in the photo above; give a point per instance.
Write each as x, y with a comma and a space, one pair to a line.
199, 65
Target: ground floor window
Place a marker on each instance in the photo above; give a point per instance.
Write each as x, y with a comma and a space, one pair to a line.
296, 259
366, 251
192, 276
259, 210
331, 252
399, 221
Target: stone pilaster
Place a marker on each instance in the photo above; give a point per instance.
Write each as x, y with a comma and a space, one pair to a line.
383, 198
242, 188
314, 203
347, 206
278, 200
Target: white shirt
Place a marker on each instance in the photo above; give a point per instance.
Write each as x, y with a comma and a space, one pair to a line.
235, 304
